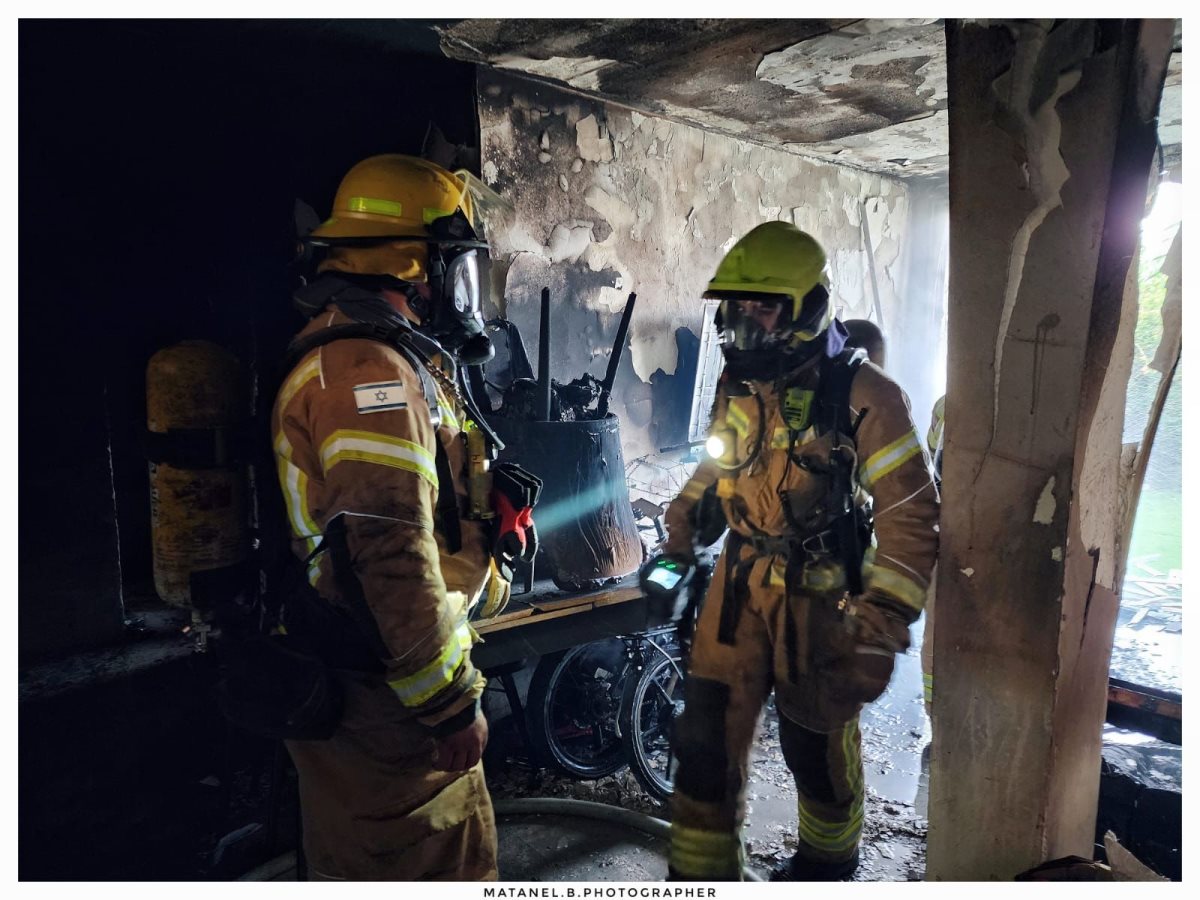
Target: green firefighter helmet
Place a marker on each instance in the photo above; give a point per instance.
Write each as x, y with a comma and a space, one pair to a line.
774, 295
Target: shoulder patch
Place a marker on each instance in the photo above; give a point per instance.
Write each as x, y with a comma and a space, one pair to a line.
380, 397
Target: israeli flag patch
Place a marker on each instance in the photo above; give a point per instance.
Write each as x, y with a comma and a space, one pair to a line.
380, 397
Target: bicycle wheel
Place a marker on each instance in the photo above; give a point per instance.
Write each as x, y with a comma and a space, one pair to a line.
573, 705
648, 712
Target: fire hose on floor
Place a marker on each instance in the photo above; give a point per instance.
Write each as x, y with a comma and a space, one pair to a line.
587, 809
527, 806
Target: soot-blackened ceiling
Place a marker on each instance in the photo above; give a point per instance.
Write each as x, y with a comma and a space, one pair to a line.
867, 93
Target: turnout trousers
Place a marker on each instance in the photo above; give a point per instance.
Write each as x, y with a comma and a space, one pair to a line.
754, 635
374, 807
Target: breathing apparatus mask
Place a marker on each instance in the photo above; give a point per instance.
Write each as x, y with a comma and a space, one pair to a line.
765, 335
761, 335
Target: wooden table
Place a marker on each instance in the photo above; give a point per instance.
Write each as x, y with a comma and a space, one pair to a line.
546, 620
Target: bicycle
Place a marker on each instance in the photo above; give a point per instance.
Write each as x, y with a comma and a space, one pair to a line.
597, 707
649, 707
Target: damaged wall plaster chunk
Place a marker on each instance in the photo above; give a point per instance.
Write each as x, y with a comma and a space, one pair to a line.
615, 210
968, 572
592, 142
568, 244
1056, 554
1043, 513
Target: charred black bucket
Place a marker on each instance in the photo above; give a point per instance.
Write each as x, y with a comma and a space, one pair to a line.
584, 518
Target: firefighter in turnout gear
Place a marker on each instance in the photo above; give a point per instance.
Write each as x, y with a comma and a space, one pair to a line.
370, 434
807, 439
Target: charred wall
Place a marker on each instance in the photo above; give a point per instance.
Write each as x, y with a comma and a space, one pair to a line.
607, 201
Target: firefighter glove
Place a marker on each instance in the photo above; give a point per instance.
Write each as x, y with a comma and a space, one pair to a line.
877, 633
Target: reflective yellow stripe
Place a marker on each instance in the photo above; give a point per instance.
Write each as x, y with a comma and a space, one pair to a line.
381, 449
283, 447
294, 483
901, 587
466, 636
831, 837
837, 838
707, 855
889, 458
778, 573
421, 686
301, 375
738, 418
933, 439
928, 681
823, 576
694, 489
854, 769
447, 411
375, 206
431, 214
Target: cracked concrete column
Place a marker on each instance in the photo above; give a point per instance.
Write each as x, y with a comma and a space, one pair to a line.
1051, 144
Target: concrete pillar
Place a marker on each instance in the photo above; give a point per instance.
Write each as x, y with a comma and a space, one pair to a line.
1051, 146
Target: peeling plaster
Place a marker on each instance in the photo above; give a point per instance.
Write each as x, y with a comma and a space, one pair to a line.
817, 65
1056, 554
581, 72
651, 207
1043, 513
567, 244
968, 572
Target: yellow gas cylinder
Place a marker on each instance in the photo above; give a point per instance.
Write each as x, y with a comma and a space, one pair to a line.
196, 403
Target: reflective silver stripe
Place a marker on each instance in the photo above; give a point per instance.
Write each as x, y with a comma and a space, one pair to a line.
295, 496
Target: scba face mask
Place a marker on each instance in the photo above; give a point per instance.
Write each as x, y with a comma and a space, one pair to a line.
456, 317
453, 272
761, 337
752, 321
